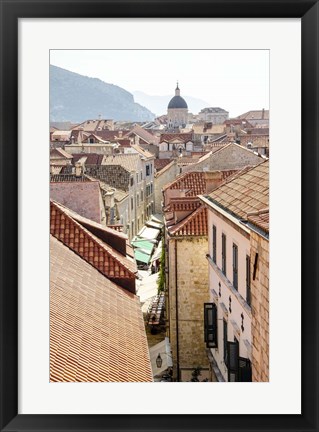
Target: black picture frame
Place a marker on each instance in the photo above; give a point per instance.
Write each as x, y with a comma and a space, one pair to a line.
11, 11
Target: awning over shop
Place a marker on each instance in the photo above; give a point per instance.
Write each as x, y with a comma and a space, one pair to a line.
152, 224
142, 256
143, 244
158, 252
149, 233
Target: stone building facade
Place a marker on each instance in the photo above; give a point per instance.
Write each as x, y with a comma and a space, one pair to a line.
214, 115
162, 178
236, 319
187, 290
259, 247
135, 175
231, 156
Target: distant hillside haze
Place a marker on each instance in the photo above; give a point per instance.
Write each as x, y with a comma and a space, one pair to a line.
158, 104
76, 98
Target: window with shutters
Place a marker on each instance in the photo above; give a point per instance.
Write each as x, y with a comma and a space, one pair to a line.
239, 368
233, 360
225, 330
235, 266
224, 254
210, 325
214, 244
248, 292
244, 370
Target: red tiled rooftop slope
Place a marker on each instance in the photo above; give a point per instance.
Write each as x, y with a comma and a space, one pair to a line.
193, 225
91, 158
183, 204
245, 193
159, 164
108, 261
96, 328
260, 219
194, 182
185, 137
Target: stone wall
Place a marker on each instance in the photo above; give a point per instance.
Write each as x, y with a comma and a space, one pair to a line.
260, 308
161, 179
192, 293
231, 157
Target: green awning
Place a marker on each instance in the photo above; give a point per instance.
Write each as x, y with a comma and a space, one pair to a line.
143, 244
141, 256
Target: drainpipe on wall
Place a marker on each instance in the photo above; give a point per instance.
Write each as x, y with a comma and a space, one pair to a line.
176, 305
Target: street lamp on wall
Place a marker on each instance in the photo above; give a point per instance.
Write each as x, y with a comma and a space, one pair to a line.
159, 361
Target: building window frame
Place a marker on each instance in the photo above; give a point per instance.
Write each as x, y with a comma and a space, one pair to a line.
210, 325
225, 339
224, 252
248, 281
235, 266
214, 234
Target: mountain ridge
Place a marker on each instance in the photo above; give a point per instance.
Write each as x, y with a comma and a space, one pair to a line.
75, 97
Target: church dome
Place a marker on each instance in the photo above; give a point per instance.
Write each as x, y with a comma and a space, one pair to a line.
177, 101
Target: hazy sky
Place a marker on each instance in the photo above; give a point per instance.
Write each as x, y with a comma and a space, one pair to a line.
236, 80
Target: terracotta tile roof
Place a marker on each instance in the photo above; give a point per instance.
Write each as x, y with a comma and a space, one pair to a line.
255, 115
193, 225
61, 178
142, 151
124, 143
185, 137
91, 158
159, 164
244, 193
58, 152
97, 139
236, 122
144, 134
96, 328
260, 219
89, 247
256, 140
112, 237
187, 160
183, 204
193, 182
82, 197
108, 135
199, 153
130, 162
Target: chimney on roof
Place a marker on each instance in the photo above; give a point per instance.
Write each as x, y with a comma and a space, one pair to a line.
120, 134
78, 169
213, 179
263, 114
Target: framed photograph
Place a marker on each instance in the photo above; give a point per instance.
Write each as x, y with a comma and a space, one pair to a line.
145, 42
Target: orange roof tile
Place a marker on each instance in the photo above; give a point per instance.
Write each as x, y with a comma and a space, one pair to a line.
244, 193
96, 328
183, 204
185, 137
193, 182
92, 249
193, 225
260, 219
